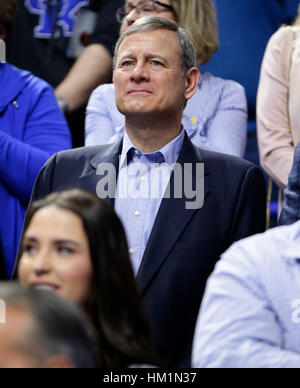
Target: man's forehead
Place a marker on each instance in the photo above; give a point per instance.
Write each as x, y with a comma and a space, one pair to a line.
158, 40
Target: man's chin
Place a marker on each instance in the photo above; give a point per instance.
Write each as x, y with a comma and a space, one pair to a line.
136, 110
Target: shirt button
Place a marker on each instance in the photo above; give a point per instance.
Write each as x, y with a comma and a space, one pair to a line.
137, 152
143, 178
136, 213
131, 250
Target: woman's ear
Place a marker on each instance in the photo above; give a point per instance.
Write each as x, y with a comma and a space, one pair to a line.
2, 31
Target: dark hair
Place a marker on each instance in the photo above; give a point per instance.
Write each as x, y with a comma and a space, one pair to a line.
7, 12
58, 326
117, 310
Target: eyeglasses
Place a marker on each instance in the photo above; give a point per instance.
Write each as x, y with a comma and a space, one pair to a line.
144, 7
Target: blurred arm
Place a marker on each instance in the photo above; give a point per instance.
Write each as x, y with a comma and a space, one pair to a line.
275, 139
237, 325
92, 68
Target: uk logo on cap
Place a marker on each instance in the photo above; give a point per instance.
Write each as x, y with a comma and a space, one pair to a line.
2, 51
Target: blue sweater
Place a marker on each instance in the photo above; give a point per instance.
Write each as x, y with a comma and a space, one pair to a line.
32, 128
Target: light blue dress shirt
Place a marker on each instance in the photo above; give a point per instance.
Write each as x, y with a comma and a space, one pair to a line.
250, 314
142, 181
215, 118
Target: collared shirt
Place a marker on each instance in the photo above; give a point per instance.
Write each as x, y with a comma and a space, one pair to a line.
215, 118
250, 314
142, 182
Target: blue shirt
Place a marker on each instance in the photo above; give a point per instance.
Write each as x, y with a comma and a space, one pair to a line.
142, 181
215, 118
250, 314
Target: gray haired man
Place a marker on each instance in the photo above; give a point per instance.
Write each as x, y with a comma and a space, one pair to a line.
173, 246
41, 330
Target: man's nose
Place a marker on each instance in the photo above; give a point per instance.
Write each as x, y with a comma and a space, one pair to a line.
140, 72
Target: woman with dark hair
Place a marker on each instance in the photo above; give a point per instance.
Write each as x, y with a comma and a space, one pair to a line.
74, 245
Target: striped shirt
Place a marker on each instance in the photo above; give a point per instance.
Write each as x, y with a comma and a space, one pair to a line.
250, 313
142, 182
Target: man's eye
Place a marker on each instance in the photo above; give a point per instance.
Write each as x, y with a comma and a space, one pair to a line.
128, 8
155, 63
148, 9
126, 63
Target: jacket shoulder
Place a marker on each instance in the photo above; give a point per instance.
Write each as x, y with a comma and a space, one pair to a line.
219, 160
82, 152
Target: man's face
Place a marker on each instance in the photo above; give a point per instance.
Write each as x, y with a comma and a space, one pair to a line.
148, 75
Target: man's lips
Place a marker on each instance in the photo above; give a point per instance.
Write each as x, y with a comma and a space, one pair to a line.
139, 91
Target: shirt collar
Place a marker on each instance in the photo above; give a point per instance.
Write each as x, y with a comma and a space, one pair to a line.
169, 153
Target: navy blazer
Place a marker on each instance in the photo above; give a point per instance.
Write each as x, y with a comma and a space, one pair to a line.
184, 244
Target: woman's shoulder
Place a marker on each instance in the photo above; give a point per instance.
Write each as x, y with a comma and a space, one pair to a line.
213, 81
217, 86
282, 36
104, 89
104, 94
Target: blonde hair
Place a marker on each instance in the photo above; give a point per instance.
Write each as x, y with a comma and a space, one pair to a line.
297, 21
199, 19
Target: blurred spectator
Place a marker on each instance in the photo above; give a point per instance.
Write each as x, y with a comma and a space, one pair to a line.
250, 314
69, 44
75, 246
32, 128
244, 30
215, 118
43, 331
278, 127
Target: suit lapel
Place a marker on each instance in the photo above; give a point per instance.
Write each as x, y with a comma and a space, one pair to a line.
171, 219
102, 166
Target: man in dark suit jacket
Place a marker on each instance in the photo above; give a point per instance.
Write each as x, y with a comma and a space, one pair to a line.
184, 243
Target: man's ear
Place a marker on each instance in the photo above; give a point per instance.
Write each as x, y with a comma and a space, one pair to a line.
2, 31
192, 78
